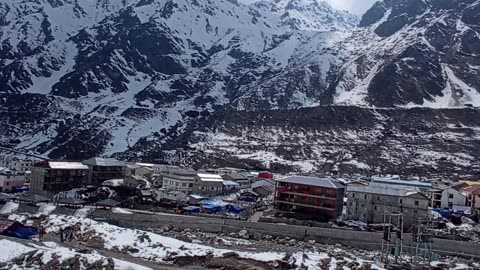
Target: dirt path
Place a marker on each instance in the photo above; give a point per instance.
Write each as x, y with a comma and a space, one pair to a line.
119, 256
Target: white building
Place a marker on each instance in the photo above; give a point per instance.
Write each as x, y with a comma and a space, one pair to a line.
10, 179
170, 195
208, 184
452, 197
180, 180
16, 164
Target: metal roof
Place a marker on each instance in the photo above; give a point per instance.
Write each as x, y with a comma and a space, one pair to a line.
64, 165
230, 183
72, 201
104, 162
204, 177
312, 181
392, 181
397, 192
33, 198
235, 176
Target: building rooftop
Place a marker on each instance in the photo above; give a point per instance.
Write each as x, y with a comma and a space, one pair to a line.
312, 181
382, 190
61, 165
230, 183
204, 177
104, 162
392, 181
236, 176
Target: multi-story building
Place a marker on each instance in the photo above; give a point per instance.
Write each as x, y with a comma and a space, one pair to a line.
181, 180
16, 164
453, 197
9, 180
240, 179
208, 184
313, 197
102, 169
368, 203
51, 177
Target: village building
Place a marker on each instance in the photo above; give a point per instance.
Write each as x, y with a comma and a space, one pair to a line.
313, 197
51, 177
136, 182
398, 183
473, 196
264, 187
452, 197
368, 203
10, 180
102, 169
180, 180
164, 194
208, 184
238, 178
138, 169
16, 164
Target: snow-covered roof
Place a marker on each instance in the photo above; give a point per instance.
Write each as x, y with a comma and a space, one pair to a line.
204, 177
312, 181
397, 192
64, 165
113, 182
391, 181
104, 162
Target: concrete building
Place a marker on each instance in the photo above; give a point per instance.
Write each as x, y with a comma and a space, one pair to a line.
102, 169
368, 203
473, 196
319, 198
9, 180
163, 194
452, 197
16, 164
138, 169
181, 180
51, 177
136, 182
240, 179
208, 184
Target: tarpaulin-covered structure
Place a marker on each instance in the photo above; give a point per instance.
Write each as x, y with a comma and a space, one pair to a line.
16, 229
235, 209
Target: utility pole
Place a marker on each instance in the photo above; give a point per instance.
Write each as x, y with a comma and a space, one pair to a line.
392, 242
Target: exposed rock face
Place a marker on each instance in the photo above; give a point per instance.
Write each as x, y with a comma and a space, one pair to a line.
140, 79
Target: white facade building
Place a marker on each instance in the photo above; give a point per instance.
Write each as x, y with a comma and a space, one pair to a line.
16, 164
10, 179
180, 180
452, 197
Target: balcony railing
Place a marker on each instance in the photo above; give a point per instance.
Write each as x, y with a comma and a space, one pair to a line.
305, 205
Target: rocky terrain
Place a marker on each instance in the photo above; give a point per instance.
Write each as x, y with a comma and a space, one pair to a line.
287, 85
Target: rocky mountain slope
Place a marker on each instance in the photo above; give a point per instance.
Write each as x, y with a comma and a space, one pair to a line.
141, 78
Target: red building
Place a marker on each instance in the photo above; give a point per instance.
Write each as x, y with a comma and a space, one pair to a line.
318, 198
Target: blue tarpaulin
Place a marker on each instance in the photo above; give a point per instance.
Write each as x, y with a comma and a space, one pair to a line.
444, 212
23, 233
213, 208
236, 209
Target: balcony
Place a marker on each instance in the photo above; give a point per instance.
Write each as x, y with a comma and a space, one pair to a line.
296, 203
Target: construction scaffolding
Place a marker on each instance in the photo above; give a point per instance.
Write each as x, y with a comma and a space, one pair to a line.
422, 238
392, 242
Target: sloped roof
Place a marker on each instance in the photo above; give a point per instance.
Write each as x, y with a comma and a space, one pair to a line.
33, 198
234, 176
61, 165
312, 181
230, 183
5, 197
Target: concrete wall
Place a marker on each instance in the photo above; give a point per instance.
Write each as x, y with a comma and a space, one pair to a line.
357, 239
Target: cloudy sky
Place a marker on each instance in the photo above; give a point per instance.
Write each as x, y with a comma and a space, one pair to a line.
354, 6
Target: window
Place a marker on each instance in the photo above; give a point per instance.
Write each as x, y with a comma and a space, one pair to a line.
375, 207
362, 205
353, 195
364, 215
401, 200
365, 196
378, 198
450, 196
417, 203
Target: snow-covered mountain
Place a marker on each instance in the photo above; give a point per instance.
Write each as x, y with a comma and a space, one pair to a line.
139, 78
